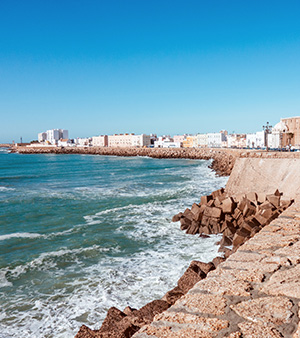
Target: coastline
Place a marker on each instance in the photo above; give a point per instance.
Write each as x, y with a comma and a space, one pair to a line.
222, 164
223, 159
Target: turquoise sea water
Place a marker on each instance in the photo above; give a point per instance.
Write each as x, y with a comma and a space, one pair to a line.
82, 233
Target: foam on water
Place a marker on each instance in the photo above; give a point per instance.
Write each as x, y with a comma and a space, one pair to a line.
105, 244
2, 188
19, 235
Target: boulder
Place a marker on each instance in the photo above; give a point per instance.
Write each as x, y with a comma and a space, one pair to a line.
205, 199
284, 204
193, 228
228, 205
252, 196
147, 312
205, 267
176, 218
85, 332
261, 197
237, 214
249, 209
275, 200
216, 212
218, 193
197, 212
217, 202
238, 240
241, 205
129, 310
113, 317
185, 223
188, 214
205, 230
192, 275
267, 213
218, 260
225, 241
173, 295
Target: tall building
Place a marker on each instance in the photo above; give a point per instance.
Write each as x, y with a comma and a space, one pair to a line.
53, 135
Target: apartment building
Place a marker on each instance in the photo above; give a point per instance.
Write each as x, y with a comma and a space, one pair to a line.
202, 140
100, 141
53, 135
120, 140
142, 140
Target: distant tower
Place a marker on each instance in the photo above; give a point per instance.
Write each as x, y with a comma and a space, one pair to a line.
21, 140
268, 129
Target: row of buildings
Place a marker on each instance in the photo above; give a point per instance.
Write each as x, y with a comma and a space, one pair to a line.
285, 134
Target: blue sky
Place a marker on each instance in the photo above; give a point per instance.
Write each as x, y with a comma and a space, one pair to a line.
166, 67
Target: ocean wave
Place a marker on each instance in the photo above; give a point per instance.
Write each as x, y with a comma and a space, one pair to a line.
20, 235
2, 188
49, 260
3, 281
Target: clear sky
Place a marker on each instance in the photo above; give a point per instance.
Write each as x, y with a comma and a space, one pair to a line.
147, 66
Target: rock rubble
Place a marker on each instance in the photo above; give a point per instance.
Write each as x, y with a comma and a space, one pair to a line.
237, 217
222, 160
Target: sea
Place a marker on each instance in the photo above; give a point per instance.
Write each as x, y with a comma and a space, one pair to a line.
82, 233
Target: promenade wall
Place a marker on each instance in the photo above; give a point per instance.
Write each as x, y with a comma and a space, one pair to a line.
265, 175
254, 293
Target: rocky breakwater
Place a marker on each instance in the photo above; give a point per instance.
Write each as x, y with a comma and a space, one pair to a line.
222, 159
124, 324
237, 217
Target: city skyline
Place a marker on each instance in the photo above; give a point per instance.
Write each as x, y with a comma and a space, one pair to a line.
115, 67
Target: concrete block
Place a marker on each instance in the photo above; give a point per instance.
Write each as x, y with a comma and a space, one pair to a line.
228, 205
275, 200
206, 199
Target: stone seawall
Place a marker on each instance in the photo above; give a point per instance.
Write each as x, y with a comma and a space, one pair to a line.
265, 175
222, 164
254, 293
223, 160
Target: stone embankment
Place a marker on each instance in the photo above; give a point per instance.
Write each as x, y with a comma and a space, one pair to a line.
223, 160
238, 218
222, 164
254, 293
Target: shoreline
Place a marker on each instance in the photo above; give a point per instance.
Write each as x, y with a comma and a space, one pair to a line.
223, 159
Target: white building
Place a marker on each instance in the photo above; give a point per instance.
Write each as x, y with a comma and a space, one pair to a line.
120, 140
100, 141
166, 142
42, 137
83, 141
64, 142
236, 141
275, 138
53, 135
140, 140
201, 140
216, 140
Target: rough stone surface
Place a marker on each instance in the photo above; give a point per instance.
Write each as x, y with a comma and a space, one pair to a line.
276, 310
286, 283
204, 303
251, 330
256, 291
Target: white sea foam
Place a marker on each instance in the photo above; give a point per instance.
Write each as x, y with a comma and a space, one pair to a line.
3, 281
20, 235
82, 293
2, 188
